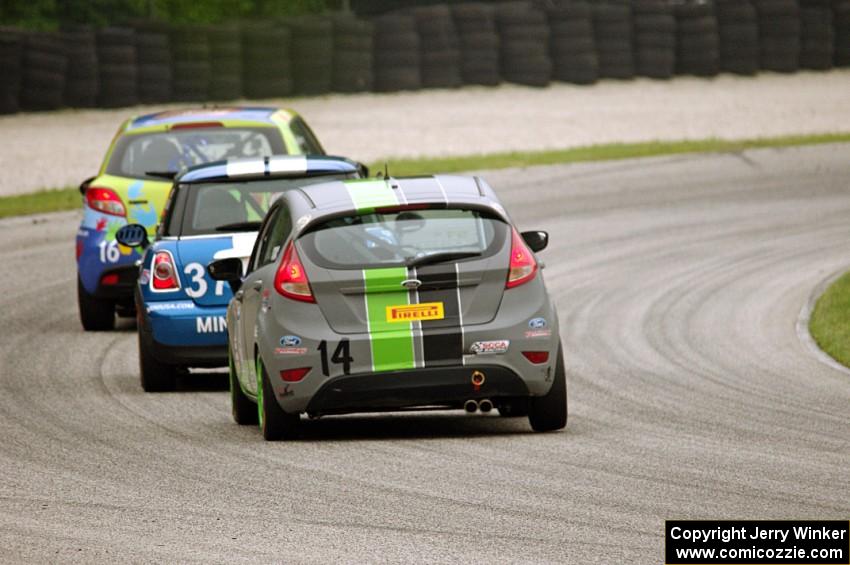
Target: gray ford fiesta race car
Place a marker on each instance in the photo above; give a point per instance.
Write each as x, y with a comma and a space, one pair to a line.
391, 294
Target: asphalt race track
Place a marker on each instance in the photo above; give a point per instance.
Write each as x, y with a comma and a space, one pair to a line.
679, 282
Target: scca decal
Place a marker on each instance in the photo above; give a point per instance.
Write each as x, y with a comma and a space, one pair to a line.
210, 324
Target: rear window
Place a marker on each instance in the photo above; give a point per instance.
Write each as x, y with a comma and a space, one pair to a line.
403, 238
233, 206
174, 151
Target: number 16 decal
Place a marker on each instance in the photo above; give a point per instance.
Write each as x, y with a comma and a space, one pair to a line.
341, 356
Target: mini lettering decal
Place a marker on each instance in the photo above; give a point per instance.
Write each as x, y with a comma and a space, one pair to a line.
210, 324
538, 333
415, 312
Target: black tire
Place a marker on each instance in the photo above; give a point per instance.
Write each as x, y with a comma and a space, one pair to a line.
96, 315
154, 376
549, 412
244, 411
274, 422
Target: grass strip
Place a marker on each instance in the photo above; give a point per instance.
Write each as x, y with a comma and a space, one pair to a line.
69, 198
40, 202
606, 152
830, 321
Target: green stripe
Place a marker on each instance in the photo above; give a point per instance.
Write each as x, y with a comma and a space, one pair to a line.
392, 344
368, 194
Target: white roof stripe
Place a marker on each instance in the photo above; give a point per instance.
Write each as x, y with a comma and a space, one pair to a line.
294, 164
247, 167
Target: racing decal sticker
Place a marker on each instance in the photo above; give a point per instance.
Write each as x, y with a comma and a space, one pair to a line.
159, 306
490, 347
290, 351
370, 194
415, 312
391, 343
290, 341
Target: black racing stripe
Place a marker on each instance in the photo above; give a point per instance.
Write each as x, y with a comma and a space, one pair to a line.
442, 340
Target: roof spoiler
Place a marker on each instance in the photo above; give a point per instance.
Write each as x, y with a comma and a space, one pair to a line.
275, 166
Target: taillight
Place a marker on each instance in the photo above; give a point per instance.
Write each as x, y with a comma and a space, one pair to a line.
291, 280
105, 200
164, 274
109, 279
294, 375
536, 357
523, 266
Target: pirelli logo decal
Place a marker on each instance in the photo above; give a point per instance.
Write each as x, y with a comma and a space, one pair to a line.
415, 312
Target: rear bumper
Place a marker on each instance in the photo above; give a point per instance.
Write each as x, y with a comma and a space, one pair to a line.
122, 290
182, 333
439, 386
201, 356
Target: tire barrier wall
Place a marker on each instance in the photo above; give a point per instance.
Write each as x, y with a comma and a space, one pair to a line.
528, 42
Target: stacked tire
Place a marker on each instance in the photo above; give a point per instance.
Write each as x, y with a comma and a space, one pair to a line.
439, 48
266, 61
654, 38
82, 78
738, 33
841, 20
116, 57
191, 69
524, 44
312, 54
697, 43
612, 29
43, 72
153, 53
225, 62
779, 35
479, 43
397, 63
571, 43
11, 53
352, 54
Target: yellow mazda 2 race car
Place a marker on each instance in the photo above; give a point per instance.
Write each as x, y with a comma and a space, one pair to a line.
135, 179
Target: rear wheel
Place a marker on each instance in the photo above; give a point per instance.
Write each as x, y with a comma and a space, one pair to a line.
244, 411
154, 375
274, 422
549, 412
96, 315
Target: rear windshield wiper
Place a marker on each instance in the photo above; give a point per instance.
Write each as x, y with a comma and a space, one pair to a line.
441, 257
162, 174
239, 226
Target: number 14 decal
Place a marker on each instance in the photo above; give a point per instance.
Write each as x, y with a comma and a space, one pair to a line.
341, 356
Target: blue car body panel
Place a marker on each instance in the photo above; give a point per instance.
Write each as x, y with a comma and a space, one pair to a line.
194, 314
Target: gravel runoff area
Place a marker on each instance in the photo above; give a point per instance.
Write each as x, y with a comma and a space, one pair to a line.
56, 149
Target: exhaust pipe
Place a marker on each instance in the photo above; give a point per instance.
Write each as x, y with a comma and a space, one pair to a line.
485, 405
471, 406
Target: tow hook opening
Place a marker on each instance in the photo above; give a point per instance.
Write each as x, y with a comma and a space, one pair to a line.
477, 378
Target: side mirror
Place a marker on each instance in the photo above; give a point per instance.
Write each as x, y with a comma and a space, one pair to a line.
536, 240
84, 186
229, 270
132, 235
363, 170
